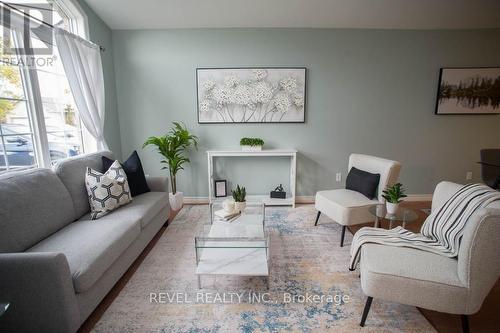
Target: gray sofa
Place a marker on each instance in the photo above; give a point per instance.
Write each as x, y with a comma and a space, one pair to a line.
56, 265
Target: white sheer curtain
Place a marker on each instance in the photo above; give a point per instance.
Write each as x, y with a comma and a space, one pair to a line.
82, 63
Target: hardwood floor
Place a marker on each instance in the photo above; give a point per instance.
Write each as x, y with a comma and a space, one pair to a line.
486, 320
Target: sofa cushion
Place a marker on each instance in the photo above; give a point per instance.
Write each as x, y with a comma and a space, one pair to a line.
71, 171
346, 207
146, 206
107, 191
91, 247
363, 182
33, 205
135, 173
410, 263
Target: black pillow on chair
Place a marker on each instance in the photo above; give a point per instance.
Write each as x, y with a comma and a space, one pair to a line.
135, 174
363, 182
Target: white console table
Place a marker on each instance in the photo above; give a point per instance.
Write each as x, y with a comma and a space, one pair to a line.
292, 153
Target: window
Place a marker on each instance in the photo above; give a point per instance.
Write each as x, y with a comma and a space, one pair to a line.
39, 121
16, 134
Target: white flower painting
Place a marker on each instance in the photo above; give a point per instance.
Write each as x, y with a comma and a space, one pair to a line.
251, 95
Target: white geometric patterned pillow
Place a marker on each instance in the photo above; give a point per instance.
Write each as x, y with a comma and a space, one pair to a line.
107, 191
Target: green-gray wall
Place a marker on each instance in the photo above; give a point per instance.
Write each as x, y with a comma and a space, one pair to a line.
101, 34
368, 91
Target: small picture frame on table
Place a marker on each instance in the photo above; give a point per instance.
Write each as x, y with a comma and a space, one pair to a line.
220, 188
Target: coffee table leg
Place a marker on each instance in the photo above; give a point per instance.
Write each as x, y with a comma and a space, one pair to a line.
390, 224
376, 222
404, 224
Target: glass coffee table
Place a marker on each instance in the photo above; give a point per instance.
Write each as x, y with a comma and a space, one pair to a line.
403, 215
239, 247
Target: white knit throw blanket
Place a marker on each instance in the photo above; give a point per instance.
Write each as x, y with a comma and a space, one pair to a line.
441, 231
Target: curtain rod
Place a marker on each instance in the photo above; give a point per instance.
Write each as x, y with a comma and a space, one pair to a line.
101, 48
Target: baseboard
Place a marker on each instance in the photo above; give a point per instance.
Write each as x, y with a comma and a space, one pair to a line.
305, 199
418, 197
196, 200
204, 200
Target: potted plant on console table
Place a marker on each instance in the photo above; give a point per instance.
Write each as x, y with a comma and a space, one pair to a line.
251, 144
172, 147
393, 195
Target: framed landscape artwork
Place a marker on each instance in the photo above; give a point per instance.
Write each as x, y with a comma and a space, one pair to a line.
251, 95
469, 91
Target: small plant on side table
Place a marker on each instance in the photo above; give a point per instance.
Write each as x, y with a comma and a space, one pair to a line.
393, 195
251, 144
239, 196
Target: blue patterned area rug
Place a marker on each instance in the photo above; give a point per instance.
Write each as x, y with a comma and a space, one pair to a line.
311, 289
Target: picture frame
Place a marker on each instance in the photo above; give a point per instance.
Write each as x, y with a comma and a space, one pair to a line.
220, 188
248, 95
468, 91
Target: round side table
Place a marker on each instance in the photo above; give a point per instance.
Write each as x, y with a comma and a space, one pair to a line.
403, 215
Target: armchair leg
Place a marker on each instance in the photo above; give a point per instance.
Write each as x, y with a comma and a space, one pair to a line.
465, 323
342, 236
317, 218
366, 310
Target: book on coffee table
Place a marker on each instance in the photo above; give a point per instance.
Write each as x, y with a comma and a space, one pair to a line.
226, 216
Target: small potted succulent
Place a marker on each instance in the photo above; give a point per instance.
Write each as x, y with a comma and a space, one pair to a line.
239, 196
251, 144
393, 195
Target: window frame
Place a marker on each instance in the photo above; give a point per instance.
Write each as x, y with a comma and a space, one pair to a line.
78, 19
78, 25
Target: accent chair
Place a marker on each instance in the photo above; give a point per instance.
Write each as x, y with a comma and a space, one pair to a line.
347, 207
432, 281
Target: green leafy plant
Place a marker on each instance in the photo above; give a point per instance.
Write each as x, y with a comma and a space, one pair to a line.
172, 147
251, 142
240, 194
394, 194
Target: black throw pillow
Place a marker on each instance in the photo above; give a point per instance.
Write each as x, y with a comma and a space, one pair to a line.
363, 182
133, 170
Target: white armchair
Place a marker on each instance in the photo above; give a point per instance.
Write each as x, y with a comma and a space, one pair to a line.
348, 207
431, 281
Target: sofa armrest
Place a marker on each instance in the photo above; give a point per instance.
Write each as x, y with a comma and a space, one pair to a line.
39, 288
157, 184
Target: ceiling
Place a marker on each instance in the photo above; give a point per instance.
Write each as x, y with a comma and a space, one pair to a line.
368, 14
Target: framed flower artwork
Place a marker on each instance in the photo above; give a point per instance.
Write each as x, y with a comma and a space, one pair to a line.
251, 95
